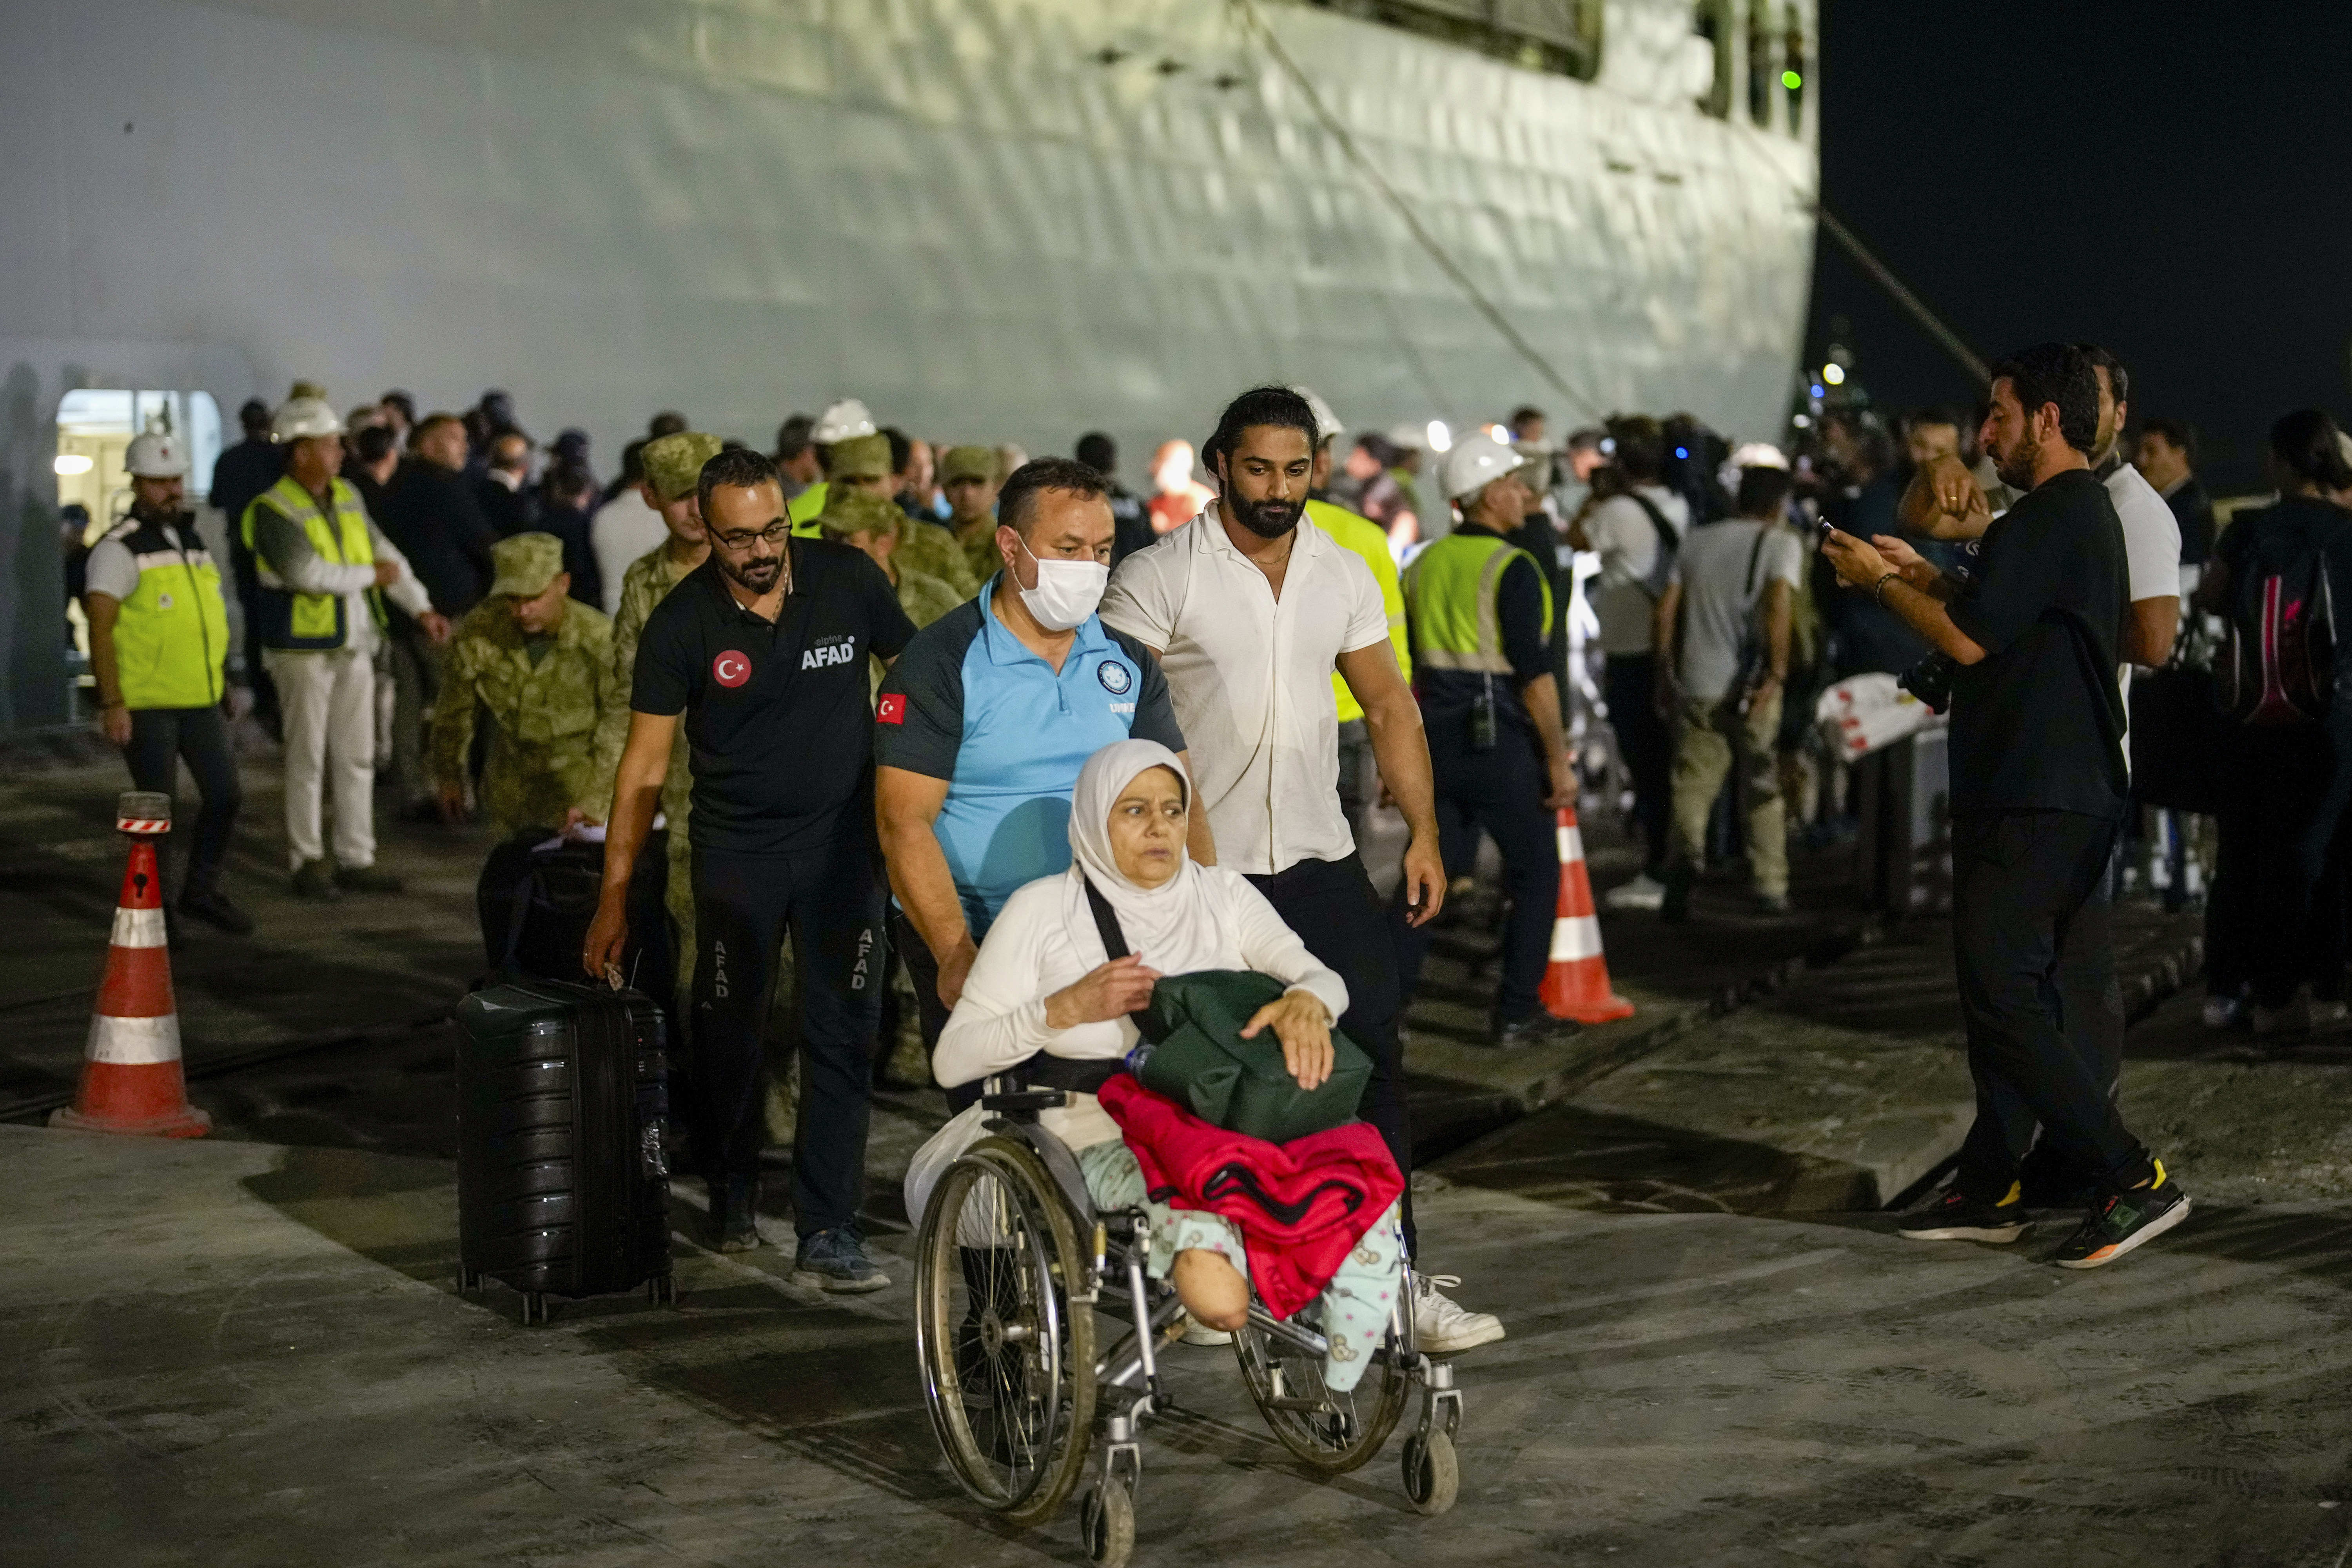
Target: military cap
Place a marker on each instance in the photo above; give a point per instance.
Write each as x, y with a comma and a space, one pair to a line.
967, 463
674, 463
859, 458
527, 563
849, 511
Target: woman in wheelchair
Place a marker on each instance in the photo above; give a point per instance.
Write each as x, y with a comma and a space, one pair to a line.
1042, 988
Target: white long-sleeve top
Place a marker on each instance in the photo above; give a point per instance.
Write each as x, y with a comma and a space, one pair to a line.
1030, 954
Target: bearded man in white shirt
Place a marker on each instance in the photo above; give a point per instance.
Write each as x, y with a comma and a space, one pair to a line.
1249, 607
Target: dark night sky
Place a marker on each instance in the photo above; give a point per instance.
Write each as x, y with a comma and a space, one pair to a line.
2172, 180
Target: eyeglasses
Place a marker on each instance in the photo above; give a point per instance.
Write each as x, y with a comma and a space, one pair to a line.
775, 533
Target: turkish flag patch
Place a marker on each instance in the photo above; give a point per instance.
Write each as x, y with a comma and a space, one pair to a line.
891, 710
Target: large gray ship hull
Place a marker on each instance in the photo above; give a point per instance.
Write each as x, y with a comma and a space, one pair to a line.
999, 220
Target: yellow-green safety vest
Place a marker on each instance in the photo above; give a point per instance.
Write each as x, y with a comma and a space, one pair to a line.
311, 622
1450, 589
1367, 539
803, 508
171, 639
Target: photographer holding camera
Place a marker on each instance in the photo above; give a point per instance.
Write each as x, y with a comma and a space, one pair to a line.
2038, 796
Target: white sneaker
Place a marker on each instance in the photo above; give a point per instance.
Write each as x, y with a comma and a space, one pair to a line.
1643, 892
1197, 1333
1441, 1328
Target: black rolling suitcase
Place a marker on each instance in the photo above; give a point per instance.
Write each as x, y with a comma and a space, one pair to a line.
563, 1130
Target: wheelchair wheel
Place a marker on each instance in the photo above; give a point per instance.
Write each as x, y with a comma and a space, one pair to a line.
1334, 1433
1008, 1366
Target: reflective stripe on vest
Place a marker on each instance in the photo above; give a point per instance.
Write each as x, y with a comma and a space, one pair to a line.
171, 638
311, 621
1450, 590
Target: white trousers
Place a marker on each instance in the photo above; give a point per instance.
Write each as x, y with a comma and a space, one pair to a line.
329, 703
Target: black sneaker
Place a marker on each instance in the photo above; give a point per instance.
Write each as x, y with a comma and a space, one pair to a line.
1674, 909
735, 1214
836, 1260
211, 906
1957, 1217
367, 879
1536, 1029
2124, 1221
313, 880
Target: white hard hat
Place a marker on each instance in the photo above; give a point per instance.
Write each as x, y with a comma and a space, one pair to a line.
1409, 437
157, 455
1477, 461
844, 421
299, 418
1326, 424
1749, 455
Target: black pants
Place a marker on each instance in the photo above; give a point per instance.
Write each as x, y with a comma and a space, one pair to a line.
159, 738
2021, 881
932, 1014
1629, 684
1502, 790
1332, 907
2292, 787
831, 901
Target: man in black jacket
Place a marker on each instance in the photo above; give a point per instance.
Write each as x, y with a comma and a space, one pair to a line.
431, 512
240, 474
2166, 459
2038, 791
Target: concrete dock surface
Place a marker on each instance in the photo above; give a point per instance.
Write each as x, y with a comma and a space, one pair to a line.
231, 1353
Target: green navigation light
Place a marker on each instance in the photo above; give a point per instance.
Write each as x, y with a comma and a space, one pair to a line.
1791, 80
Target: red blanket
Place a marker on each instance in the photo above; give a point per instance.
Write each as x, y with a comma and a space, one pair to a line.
1301, 1206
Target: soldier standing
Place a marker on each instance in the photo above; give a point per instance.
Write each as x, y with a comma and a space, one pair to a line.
672, 464
542, 668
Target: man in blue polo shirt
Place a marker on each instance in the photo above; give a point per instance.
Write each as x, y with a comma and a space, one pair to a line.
983, 722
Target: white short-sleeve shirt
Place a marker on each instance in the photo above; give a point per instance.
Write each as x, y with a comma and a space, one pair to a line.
1251, 679
2151, 535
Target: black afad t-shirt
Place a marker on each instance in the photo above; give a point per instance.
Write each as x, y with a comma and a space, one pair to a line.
778, 717
2038, 723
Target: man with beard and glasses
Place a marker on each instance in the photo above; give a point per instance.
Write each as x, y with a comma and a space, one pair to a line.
2038, 795
1250, 607
762, 650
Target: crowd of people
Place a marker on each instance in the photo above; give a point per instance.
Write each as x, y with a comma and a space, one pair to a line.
854, 683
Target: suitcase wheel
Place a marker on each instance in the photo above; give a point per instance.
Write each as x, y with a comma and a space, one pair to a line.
468, 1280
534, 1307
662, 1290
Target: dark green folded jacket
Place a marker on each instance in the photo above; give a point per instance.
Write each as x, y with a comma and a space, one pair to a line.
1199, 1059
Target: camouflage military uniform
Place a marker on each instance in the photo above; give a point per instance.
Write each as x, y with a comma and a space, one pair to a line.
672, 464
647, 583
932, 551
548, 750
923, 596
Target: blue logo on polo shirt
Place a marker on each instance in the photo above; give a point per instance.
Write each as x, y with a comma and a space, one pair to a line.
1114, 676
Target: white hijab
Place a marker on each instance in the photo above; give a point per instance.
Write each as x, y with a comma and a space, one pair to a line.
1173, 927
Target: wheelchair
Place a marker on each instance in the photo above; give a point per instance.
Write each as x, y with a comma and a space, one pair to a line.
1018, 1282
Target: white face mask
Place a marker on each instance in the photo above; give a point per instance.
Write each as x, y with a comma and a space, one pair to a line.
1066, 592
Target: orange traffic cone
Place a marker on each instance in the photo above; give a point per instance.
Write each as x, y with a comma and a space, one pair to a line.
1577, 985
131, 1077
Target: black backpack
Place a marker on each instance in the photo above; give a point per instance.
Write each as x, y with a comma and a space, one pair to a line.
2278, 662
